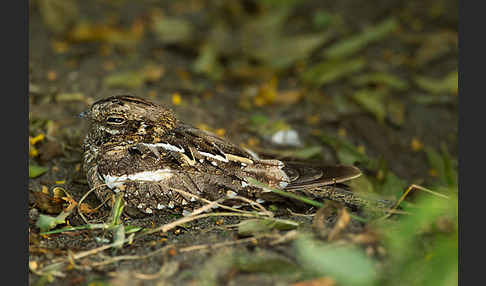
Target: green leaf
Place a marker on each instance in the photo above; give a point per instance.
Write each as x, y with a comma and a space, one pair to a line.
382, 78
36, 171
330, 71
117, 209
348, 265
372, 101
322, 19
129, 79
207, 62
442, 163
347, 153
58, 15
393, 185
352, 45
263, 39
436, 162
173, 30
282, 52
307, 153
396, 111
265, 262
118, 236
448, 84
46, 222
132, 229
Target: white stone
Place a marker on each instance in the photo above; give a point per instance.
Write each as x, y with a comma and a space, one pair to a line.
286, 137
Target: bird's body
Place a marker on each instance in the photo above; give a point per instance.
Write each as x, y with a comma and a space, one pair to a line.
140, 148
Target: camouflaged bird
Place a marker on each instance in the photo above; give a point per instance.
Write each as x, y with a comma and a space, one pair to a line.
140, 148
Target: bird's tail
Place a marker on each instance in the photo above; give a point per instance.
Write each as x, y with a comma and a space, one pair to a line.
325, 182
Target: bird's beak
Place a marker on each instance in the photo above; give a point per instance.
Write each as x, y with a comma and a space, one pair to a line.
84, 114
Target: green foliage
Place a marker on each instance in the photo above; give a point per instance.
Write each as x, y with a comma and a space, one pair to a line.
332, 70
348, 47
36, 170
372, 101
426, 240
347, 153
447, 85
348, 265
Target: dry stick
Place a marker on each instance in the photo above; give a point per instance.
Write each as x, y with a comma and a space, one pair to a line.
169, 226
227, 243
217, 245
130, 257
252, 203
163, 228
298, 214
84, 197
223, 206
410, 188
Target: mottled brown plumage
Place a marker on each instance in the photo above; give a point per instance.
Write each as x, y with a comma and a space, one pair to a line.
140, 148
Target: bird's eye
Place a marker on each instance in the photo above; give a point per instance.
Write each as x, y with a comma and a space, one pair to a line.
115, 120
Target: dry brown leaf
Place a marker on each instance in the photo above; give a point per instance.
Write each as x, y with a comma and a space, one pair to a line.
47, 203
289, 97
323, 281
86, 208
341, 223
366, 237
319, 222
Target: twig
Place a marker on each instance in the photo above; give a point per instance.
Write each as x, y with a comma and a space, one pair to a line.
84, 197
409, 189
130, 257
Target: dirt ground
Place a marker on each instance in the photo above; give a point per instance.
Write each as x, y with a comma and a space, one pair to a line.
110, 47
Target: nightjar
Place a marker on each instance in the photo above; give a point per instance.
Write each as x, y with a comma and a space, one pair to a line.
142, 149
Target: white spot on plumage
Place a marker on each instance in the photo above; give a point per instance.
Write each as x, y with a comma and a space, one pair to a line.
244, 184
152, 176
283, 184
111, 131
231, 194
166, 146
186, 213
160, 206
148, 210
171, 205
214, 163
216, 157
